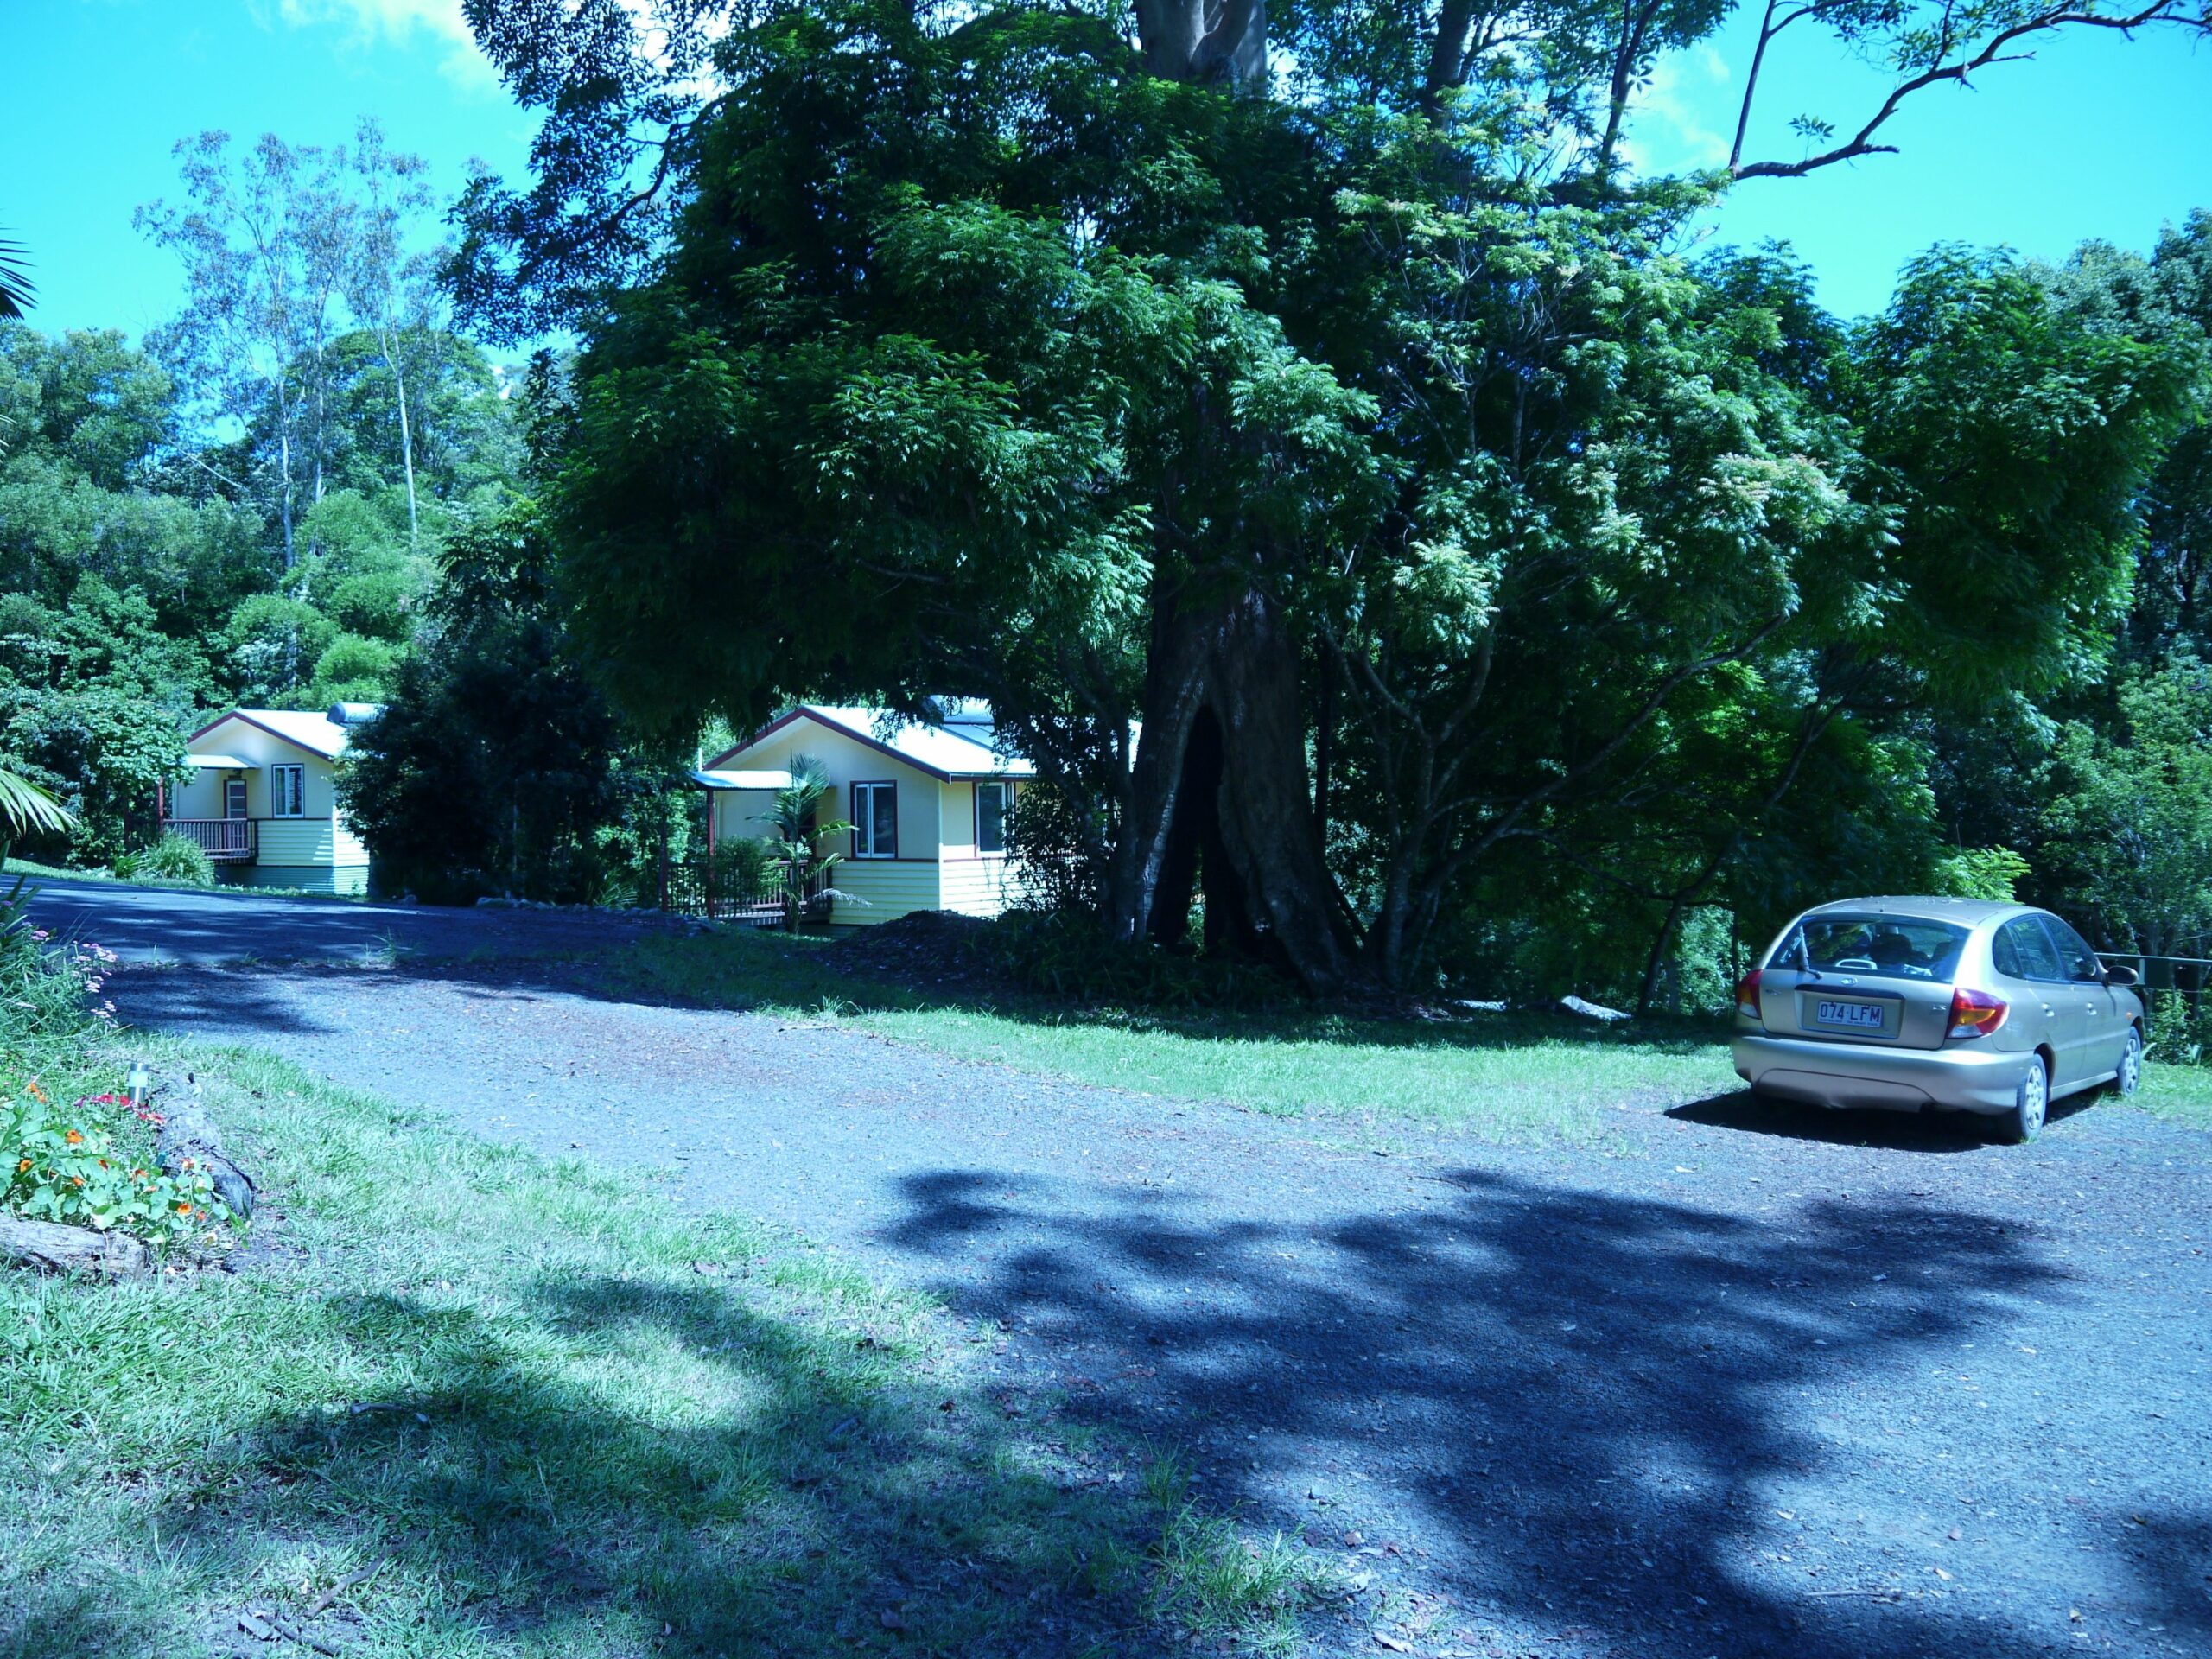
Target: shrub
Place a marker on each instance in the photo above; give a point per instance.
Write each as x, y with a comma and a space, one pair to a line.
2181, 1033
45, 998
172, 858
1064, 953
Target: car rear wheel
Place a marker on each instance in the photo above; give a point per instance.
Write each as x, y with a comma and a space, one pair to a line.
2030, 1105
2129, 1079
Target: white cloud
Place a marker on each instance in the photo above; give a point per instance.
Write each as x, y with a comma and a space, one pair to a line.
1676, 123
402, 23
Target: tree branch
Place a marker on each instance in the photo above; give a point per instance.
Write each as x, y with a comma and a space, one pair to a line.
1862, 143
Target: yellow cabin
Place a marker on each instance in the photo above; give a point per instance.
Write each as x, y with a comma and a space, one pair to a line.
262, 800
928, 801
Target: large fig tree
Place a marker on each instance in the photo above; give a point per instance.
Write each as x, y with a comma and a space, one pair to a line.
1333, 420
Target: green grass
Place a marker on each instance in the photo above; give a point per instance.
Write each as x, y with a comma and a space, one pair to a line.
555, 1417
1528, 1079
14, 866
2182, 1093
1525, 1080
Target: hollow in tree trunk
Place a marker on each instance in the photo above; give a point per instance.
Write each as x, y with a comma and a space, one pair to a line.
1219, 800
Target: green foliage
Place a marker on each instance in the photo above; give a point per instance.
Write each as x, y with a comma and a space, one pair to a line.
495, 761
1994, 873
27, 808
2021, 440
46, 1007
229, 516
2127, 822
100, 749
1623, 589
64, 1165
271, 644
170, 857
92, 1163
378, 604
352, 669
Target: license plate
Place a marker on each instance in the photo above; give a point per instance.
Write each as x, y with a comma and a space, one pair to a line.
1849, 1016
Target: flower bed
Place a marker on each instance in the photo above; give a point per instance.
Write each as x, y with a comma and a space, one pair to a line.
92, 1164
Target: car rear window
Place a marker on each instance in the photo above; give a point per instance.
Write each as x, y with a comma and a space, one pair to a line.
1903, 947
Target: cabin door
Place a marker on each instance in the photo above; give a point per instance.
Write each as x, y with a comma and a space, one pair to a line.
234, 797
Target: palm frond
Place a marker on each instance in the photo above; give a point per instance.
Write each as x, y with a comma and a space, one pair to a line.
25, 807
16, 289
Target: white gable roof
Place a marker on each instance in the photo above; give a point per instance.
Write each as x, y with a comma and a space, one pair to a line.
961, 747
316, 732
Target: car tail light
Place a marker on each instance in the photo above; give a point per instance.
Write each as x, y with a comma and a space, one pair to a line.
1975, 1014
1747, 995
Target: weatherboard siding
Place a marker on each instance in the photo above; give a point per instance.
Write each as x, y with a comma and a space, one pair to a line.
974, 886
295, 841
883, 889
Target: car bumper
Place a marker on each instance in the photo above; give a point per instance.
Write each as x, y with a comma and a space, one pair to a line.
1955, 1077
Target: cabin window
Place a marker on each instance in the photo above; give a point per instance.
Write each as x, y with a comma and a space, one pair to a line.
875, 820
993, 801
287, 792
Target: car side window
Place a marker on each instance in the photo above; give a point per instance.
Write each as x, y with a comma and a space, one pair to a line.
2075, 959
2005, 955
2022, 943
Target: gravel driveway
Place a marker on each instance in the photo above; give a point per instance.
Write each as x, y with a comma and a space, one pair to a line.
1765, 1384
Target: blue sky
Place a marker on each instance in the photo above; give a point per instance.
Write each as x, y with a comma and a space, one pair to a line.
2099, 139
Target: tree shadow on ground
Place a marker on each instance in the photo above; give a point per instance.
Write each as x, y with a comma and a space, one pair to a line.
520, 1508
1582, 1408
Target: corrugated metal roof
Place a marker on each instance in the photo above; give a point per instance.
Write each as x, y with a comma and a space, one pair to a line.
227, 762
963, 746
743, 780
312, 731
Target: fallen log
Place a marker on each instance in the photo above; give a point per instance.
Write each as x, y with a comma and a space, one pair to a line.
49, 1246
188, 1134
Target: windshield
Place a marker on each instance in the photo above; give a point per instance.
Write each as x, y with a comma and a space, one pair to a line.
1902, 947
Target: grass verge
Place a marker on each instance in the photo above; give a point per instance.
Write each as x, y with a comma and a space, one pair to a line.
37, 872
1511, 1079
2181, 1093
463, 1402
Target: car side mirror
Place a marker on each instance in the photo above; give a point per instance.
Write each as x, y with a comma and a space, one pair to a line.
2120, 973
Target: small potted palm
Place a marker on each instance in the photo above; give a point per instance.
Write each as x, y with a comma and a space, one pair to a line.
798, 838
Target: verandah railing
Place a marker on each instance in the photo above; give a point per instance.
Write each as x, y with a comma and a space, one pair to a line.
221, 839
715, 889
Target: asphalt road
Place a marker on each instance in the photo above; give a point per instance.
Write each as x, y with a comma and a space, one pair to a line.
1768, 1382
231, 924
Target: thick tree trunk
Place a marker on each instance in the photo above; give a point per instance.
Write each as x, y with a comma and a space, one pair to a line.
1205, 41
1219, 795
1219, 799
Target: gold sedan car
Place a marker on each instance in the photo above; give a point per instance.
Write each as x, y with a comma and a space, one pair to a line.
1954, 1004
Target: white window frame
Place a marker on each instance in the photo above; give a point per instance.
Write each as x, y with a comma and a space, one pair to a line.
864, 818
1005, 787
292, 802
